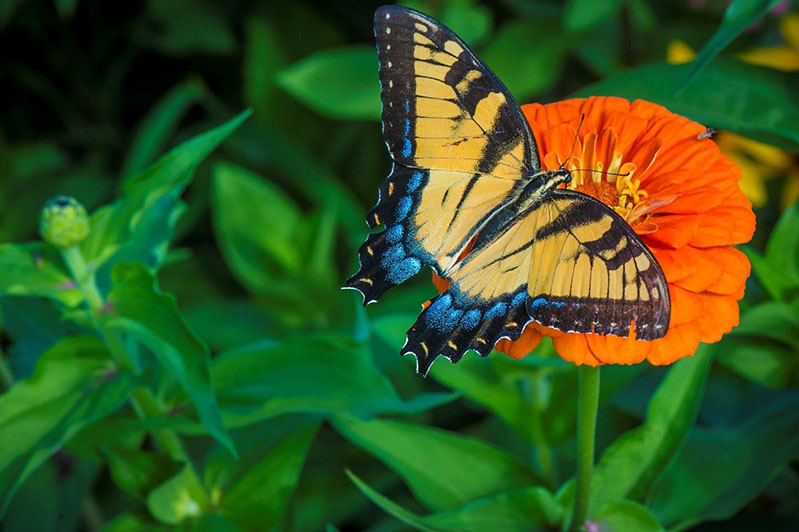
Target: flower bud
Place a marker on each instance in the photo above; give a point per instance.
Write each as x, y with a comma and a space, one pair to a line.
64, 222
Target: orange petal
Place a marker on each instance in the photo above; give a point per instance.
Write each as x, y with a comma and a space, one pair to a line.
736, 270
618, 350
719, 315
674, 230
573, 347
731, 222
680, 341
523, 346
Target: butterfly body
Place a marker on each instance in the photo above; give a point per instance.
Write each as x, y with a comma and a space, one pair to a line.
467, 176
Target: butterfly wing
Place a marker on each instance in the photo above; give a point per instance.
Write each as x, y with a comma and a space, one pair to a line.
570, 263
459, 143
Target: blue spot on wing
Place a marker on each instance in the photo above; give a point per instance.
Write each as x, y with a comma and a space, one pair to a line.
406, 144
394, 234
538, 303
471, 319
518, 299
403, 208
497, 310
415, 181
403, 270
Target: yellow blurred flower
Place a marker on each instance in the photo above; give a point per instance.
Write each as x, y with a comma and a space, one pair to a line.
758, 162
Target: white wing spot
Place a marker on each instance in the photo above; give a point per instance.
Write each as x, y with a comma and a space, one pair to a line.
388, 16
388, 64
388, 47
388, 30
390, 83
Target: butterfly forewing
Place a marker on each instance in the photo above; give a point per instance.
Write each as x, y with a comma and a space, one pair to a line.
442, 107
460, 147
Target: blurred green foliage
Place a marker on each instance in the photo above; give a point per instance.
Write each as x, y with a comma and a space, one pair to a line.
196, 366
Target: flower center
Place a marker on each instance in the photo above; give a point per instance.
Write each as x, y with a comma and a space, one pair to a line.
599, 170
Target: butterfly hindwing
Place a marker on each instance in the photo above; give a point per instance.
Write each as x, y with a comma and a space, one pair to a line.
595, 275
570, 263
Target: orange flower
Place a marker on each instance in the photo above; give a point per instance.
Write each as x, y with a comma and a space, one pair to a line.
681, 196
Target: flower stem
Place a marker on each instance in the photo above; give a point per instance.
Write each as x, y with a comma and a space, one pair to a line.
143, 401
588, 403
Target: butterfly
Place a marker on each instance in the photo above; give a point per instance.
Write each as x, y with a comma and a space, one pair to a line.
467, 172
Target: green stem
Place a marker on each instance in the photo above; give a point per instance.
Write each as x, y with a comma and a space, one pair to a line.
142, 399
588, 403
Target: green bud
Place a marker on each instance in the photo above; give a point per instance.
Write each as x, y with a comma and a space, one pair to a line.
64, 222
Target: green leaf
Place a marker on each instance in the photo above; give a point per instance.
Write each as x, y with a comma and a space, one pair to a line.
778, 270
184, 27
721, 469
306, 374
256, 225
782, 250
133, 522
538, 68
407, 517
581, 15
139, 226
630, 464
518, 511
753, 101
265, 55
444, 470
159, 124
74, 385
340, 83
773, 320
763, 346
739, 16
138, 472
182, 496
152, 317
522, 510
256, 489
35, 270
51, 499
300, 171
626, 516
767, 362
469, 21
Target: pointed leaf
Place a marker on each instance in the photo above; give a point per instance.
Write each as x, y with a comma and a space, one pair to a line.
753, 101
721, 469
630, 464
739, 16
35, 270
626, 516
74, 385
340, 83
443, 469
306, 374
139, 226
152, 317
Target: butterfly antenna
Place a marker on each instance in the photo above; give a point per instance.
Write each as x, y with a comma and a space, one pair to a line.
601, 171
574, 142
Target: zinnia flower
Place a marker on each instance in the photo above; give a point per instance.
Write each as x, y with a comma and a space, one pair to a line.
680, 195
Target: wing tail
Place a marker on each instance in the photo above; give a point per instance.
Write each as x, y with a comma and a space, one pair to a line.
449, 328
